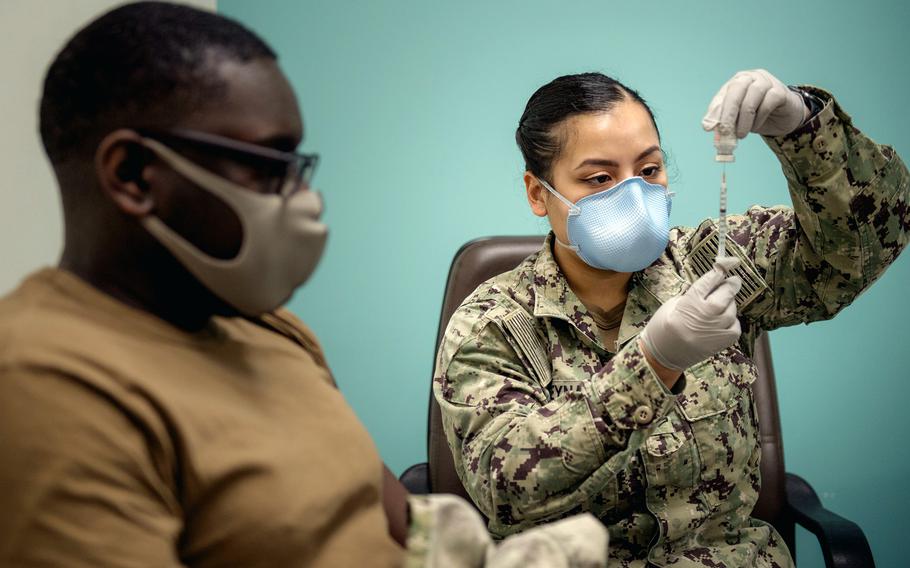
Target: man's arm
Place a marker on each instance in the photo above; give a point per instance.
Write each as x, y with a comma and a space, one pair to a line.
395, 502
394, 495
78, 486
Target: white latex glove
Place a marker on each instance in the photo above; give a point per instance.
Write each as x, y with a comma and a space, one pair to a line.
447, 532
756, 101
697, 324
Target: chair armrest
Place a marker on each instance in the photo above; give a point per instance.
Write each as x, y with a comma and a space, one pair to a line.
416, 479
843, 543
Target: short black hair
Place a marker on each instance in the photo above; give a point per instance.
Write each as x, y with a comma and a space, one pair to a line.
145, 64
558, 100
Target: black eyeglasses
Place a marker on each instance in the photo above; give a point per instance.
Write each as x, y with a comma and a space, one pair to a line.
282, 173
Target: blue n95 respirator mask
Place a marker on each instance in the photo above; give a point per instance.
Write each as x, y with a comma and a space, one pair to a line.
624, 228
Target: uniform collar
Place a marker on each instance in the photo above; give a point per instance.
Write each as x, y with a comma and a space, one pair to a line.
649, 289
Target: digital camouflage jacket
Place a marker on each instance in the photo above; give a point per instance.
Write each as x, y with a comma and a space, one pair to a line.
544, 421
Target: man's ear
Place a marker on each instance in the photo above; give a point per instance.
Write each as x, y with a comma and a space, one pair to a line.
537, 194
120, 164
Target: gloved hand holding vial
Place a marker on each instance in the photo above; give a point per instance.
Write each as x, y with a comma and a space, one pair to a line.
752, 101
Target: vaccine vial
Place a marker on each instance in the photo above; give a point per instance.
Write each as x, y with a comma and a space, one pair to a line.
724, 142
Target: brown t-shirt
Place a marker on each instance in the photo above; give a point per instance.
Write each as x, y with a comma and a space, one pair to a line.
125, 442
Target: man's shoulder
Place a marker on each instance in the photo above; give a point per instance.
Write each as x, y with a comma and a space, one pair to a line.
291, 322
52, 363
31, 319
284, 322
55, 323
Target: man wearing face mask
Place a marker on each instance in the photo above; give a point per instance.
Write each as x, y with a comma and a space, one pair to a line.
157, 408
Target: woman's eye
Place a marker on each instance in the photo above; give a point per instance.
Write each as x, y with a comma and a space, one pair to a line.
650, 171
598, 180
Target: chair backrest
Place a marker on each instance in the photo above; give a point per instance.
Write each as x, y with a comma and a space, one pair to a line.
482, 259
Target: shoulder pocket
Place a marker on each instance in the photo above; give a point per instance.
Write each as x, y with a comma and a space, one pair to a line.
520, 330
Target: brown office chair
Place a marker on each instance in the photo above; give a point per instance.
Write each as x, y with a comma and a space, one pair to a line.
785, 499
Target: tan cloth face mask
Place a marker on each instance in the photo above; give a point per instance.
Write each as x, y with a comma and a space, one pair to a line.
283, 240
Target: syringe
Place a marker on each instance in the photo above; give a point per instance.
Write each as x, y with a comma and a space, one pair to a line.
724, 143
722, 220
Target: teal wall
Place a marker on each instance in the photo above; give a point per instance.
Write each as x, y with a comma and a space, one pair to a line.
413, 105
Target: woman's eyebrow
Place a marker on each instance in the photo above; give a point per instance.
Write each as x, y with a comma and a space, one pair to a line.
652, 149
597, 162
612, 163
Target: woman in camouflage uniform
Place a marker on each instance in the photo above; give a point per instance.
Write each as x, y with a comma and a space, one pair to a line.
569, 386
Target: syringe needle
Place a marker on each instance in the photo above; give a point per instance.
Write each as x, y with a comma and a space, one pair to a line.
722, 221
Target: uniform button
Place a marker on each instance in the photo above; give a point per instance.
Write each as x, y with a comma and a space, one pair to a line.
643, 414
820, 144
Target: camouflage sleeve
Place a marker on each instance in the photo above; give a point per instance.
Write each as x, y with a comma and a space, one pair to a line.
526, 457
446, 532
849, 220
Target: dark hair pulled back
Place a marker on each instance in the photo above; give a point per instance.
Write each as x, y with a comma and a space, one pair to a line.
558, 100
